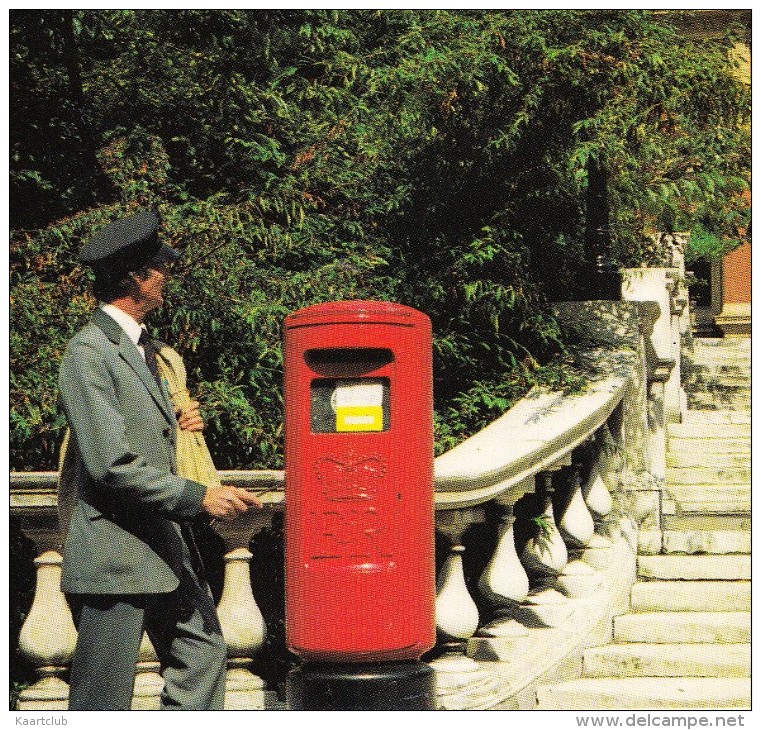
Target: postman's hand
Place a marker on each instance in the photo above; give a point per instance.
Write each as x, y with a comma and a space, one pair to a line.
226, 502
189, 418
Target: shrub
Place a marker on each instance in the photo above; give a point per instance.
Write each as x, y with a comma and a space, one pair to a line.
471, 164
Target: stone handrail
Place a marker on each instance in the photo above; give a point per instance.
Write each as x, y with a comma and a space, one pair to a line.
535, 433
579, 464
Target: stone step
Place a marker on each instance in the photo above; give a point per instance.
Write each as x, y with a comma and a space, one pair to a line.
709, 445
667, 660
718, 368
730, 397
634, 693
720, 383
742, 342
724, 362
717, 417
699, 362
706, 350
729, 344
728, 373
713, 355
718, 371
688, 627
739, 382
738, 400
692, 521
718, 378
707, 475
708, 498
714, 542
694, 456
694, 567
708, 432
702, 596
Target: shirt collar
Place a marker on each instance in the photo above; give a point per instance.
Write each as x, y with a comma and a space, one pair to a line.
131, 327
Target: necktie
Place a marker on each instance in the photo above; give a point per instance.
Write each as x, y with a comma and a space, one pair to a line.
146, 343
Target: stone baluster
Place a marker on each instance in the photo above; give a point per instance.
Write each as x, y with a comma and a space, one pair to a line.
610, 462
242, 622
544, 556
148, 680
578, 578
605, 469
48, 637
504, 585
595, 491
504, 581
576, 524
456, 611
461, 683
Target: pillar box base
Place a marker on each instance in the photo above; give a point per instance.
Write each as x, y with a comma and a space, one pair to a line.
381, 686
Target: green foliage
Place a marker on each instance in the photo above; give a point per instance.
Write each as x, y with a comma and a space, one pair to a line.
436, 158
706, 245
543, 527
673, 136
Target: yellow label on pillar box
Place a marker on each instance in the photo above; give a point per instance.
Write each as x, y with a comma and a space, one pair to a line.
359, 418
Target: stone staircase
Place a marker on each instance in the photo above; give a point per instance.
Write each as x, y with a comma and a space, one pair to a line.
719, 377
685, 642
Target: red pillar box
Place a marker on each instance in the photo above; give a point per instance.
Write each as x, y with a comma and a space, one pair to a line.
359, 516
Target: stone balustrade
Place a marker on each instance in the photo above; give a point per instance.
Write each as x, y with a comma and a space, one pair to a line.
537, 519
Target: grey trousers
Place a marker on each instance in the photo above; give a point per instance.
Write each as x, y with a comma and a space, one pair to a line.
184, 630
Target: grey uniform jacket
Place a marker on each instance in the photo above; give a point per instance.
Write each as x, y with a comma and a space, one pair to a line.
123, 535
